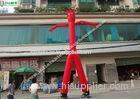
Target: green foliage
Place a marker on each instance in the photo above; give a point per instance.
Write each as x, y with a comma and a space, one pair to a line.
104, 8
87, 8
62, 8
137, 9
41, 10
21, 10
120, 9
123, 9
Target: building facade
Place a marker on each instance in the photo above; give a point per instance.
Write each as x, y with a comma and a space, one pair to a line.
76, 3
107, 54
8, 6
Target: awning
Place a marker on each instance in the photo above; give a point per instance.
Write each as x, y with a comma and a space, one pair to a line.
57, 67
127, 61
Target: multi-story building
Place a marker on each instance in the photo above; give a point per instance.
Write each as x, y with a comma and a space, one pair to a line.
109, 54
7, 6
76, 3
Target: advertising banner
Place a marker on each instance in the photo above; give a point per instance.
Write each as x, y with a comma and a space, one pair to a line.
7, 6
4, 79
13, 64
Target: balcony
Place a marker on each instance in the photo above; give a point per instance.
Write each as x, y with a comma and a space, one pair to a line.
55, 5
26, 6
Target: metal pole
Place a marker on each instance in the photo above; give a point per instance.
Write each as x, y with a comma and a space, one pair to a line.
0, 90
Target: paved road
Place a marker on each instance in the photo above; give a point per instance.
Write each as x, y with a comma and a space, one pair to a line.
131, 93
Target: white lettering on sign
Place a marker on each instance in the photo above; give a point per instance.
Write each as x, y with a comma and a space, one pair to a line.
8, 6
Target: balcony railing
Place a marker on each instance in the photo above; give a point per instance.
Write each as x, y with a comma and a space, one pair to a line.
54, 5
26, 6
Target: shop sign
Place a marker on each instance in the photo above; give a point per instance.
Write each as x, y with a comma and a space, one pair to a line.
8, 6
12, 64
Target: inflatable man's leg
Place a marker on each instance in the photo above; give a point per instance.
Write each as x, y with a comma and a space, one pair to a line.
82, 78
66, 76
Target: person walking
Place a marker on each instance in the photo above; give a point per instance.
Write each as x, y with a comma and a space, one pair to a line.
59, 84
34, 90
11, 90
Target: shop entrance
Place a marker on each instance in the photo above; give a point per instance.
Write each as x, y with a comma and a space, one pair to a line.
100, 73
56, 71
57, 76
129, 72
17, 79
128, 68
95, 73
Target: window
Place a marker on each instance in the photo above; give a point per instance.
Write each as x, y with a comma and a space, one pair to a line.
117, 32
111, 2
38, 34
28, 2
57, 1
136, 2
86, 0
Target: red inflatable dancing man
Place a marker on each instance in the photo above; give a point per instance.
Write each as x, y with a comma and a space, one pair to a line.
73, 57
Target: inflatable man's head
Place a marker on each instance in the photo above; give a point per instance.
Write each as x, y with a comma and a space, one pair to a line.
70, 15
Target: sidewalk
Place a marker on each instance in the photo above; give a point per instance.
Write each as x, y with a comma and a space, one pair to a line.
96, 89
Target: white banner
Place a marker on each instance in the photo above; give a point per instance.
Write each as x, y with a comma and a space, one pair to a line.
1, 79
7, 6
6, 80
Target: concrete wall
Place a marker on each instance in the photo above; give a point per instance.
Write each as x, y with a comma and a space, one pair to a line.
38, 3
110, 69
89, 60
110, 73
75, 4
93, 60
128, 2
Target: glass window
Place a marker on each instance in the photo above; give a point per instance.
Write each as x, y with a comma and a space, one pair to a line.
28, 2
117, 32
54, 1
138, 1
112, 2
38, 34
135, 2
87, 0
58, 3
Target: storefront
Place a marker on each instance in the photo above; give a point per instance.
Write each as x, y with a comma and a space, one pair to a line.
11, 64
101, 73
56, 70
31, 45
38, 34
128, 68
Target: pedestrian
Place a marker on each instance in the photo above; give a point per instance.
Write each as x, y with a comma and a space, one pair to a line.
24, 86
11, 90
34, 90
59, 84
0, 90
49, 87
